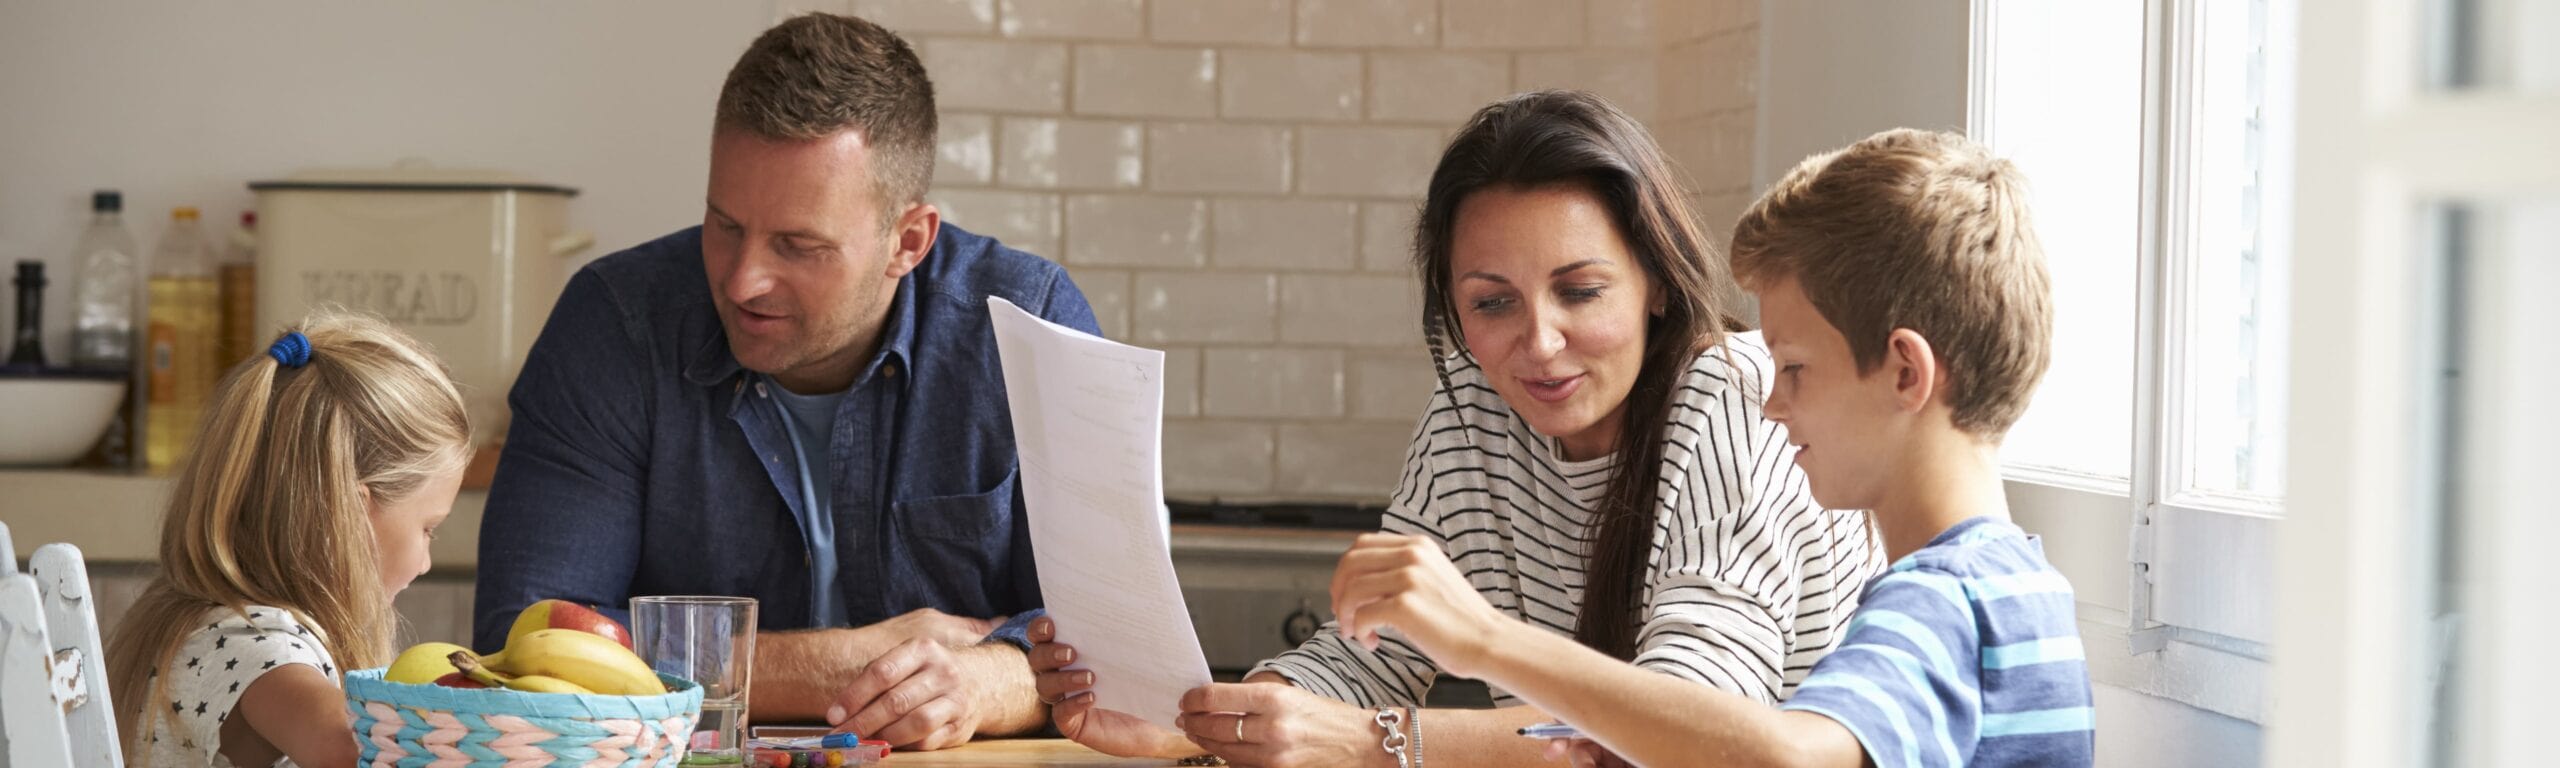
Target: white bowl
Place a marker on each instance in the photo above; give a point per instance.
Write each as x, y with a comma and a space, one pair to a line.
51, 419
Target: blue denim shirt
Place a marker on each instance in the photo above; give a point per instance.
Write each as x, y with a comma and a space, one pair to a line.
640, 462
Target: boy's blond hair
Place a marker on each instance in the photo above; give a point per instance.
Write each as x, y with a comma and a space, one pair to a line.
1921, 230
269, 506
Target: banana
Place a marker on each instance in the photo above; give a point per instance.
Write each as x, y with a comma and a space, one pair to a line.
583, 658
545, 684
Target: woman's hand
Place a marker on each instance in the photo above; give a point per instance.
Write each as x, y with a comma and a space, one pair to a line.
1070, 696
1405, 582
1276, 725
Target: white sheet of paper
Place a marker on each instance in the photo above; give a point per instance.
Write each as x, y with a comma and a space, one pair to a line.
1088, 422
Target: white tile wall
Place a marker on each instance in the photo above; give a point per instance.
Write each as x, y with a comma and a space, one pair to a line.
965, 152
1510, 24
1219, 157
1367, 162
996, 75
1289, 85
1108, 291
1234, 182
1074, 19
1146, 82
1271, 383
1072, 153
1351, 310
1025, 220
1368, 23
1138, 231
1256, 22
1435, 87
914, 17
1205, 307
1284, 234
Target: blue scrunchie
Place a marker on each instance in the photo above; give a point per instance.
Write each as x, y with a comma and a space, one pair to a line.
292, 350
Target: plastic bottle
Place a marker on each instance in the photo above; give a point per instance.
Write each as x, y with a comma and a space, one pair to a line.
183, 333
27, 351
238, 275
105, 308
110, 281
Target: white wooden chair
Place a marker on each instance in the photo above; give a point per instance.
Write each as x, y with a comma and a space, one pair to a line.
54, 708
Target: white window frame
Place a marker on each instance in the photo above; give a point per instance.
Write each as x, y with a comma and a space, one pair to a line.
2175, 585
2355, 624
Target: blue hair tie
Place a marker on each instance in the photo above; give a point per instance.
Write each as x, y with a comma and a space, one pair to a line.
292, 350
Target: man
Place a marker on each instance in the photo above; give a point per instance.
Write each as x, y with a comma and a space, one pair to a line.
797, 401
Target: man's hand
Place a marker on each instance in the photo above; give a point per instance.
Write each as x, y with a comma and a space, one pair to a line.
944, 628
924, 695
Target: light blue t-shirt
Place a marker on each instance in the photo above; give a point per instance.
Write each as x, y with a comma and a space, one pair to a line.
812, 419
1964, 653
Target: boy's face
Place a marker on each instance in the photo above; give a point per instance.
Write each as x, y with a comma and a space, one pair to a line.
1841, 423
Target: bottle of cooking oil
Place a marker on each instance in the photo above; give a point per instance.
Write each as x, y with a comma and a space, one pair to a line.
238, 277
183, 335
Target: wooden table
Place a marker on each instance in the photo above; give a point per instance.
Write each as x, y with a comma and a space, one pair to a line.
1019, 752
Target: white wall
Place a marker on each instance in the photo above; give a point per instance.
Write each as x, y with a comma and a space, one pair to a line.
1834, 73
182, 103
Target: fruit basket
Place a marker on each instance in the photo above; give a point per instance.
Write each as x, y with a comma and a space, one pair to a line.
408, 724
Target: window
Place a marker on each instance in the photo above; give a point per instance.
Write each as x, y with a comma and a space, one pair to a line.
2158, 139
2411, 624
2062, 98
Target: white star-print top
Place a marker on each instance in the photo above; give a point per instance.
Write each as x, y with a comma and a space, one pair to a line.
216, 662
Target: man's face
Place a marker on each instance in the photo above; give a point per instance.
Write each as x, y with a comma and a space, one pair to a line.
801, 268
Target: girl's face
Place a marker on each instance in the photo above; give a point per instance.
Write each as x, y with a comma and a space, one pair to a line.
402, 528
1554, 306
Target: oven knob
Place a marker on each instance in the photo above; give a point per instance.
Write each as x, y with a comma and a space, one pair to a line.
1300, 625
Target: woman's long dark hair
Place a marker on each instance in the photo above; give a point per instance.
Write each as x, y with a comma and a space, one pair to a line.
1551, 138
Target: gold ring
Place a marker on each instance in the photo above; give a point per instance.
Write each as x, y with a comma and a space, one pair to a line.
1239, 727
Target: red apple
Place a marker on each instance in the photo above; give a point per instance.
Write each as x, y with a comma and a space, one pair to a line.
562, 614
460, 680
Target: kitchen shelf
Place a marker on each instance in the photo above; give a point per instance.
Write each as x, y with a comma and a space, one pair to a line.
114, 517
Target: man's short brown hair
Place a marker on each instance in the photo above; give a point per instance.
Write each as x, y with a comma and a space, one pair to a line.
818, 74
1920, 230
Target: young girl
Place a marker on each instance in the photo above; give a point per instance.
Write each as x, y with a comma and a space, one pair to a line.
306, 503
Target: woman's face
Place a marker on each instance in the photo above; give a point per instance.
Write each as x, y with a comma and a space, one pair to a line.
1553, 305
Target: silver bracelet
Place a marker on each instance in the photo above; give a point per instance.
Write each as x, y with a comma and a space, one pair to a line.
1414, 717
1391, 720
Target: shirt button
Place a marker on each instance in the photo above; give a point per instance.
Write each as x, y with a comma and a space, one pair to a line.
890, 369
760, 389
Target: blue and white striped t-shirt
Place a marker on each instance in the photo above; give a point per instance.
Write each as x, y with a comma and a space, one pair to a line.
1963, 653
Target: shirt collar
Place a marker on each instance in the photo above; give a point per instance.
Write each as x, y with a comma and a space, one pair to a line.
712, 363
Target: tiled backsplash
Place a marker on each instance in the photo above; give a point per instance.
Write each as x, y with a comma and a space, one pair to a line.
1233, 181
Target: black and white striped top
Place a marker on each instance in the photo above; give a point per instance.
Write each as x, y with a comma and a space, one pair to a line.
1748, 580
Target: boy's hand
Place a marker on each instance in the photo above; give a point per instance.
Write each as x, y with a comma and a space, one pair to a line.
1583, 753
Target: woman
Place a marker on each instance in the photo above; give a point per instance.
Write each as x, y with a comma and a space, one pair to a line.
1594, 461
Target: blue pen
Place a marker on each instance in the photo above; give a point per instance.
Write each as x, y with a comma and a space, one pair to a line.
1551, 731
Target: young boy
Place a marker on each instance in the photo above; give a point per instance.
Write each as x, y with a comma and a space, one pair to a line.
1904, 300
